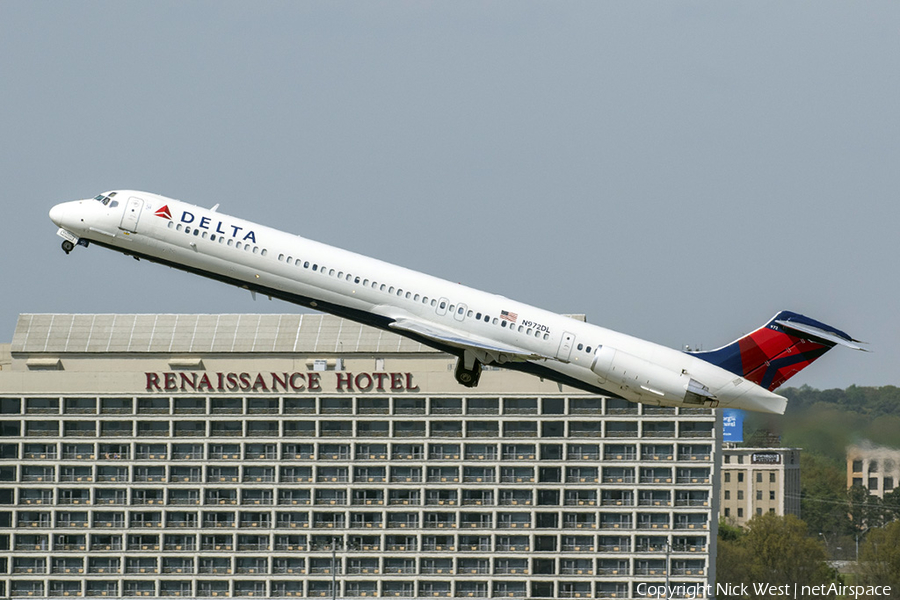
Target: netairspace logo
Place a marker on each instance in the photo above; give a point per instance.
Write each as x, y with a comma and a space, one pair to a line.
731, 590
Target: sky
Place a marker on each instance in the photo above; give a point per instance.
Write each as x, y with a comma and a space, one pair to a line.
679, 171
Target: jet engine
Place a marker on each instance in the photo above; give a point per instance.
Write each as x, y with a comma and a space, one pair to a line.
642, 381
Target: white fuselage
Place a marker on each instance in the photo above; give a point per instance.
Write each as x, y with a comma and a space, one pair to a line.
446, 315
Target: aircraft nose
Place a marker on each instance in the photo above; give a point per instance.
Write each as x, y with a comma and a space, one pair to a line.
57, 213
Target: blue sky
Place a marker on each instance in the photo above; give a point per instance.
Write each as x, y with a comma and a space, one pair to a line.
680, 171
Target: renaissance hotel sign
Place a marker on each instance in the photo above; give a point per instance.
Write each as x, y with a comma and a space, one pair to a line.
312, 381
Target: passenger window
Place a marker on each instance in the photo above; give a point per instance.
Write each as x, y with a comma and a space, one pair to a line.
340, 274
177, 227
478, 316
230, 242
221, 240
288, 258
331, 272
469, 314
298, 261
356, 280
443, 305
349, 276
391, 290
416, 298
204, 235
196, 232
580, 346
494, 322
315, 267
487, 319
502, 323
588, 350
237, 245
187, 229
433, 301
408, 295
400, 292
306, 265
171, 224
264, 252
460, 311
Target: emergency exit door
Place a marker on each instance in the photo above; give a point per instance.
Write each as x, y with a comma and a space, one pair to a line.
565, 346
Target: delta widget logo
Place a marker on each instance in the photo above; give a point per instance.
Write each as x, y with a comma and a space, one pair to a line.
164, 212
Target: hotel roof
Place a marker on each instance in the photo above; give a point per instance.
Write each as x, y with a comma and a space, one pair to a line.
229, 333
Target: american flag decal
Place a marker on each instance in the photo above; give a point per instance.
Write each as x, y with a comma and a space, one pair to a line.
508, 316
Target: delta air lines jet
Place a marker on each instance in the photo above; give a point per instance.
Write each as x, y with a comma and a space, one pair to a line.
479, 328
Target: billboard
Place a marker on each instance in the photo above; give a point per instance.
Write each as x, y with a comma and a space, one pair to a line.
732, 425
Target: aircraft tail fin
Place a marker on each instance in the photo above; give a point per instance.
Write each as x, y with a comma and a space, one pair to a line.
779, 349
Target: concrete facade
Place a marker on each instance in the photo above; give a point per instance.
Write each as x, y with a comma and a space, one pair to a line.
282, 456
875, 468
757, 481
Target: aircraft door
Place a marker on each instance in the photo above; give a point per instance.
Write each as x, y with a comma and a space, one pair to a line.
132, 214
565, 346
441, 308
460, 313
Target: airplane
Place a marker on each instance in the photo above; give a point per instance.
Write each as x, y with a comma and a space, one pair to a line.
479, 328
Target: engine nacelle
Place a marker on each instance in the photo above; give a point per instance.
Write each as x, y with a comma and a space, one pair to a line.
644, 381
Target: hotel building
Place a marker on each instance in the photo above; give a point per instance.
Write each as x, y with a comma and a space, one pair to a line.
305, 456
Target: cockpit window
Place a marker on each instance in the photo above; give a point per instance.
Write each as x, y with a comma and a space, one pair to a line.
105, 199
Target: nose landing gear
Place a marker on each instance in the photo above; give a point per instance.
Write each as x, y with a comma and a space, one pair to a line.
69, 244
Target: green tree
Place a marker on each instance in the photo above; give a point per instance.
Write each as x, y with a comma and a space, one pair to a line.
890, 504
823, 489
865, 509
879, 558
732, 555
774, 550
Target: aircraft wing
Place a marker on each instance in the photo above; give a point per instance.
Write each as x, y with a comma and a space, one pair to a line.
481, 347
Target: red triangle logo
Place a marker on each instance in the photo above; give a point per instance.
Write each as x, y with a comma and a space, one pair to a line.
164, 212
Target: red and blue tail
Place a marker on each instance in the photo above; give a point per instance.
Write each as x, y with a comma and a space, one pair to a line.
779, 350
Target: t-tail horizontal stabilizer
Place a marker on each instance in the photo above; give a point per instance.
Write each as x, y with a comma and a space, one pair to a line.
779, 350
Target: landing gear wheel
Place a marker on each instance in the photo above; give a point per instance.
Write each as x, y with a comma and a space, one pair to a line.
67, 246
468, 377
